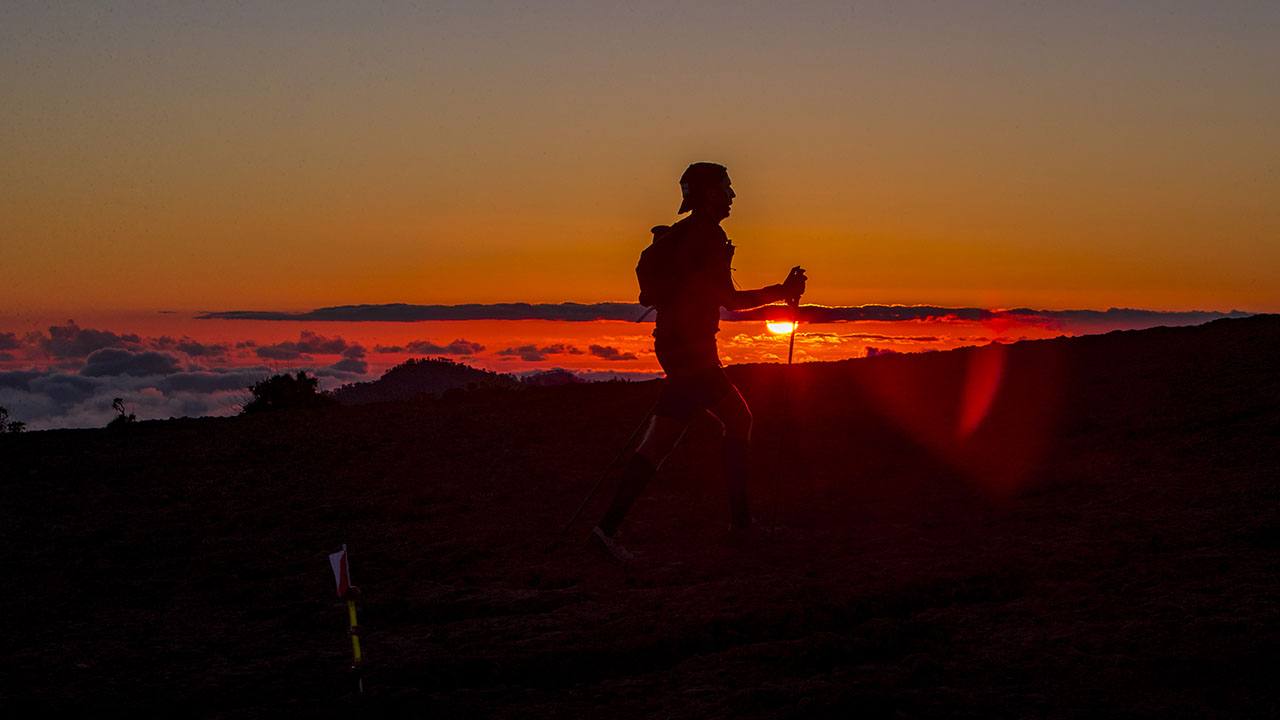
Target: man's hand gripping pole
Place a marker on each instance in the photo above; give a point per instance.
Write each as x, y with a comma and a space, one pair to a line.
794, 288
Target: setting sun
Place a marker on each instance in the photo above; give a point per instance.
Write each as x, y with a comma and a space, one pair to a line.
781, 328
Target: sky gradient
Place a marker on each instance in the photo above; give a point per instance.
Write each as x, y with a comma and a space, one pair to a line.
286, 156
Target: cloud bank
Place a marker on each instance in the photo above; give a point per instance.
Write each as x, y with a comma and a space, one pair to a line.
309, 343
426, 347
401, 312
610, 353
1067, 320
532, 353
110, 361
72, 341
85, 369
52, 399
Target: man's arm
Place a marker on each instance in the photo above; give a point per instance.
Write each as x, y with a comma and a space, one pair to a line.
734, 299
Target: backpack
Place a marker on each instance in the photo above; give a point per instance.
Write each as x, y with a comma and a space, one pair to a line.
659, 268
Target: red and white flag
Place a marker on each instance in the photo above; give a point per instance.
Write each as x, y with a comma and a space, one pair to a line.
341, 573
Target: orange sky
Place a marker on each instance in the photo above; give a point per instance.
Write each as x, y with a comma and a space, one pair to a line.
295, 155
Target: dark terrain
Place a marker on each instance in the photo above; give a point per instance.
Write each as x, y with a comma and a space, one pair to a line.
1103, 542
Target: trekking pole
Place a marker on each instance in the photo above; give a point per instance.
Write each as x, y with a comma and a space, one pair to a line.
608, 470
794, 304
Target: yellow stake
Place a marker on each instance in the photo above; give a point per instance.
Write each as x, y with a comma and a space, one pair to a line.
355, 639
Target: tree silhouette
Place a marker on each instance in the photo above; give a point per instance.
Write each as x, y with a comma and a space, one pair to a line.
10, 426
122, 418
280, 392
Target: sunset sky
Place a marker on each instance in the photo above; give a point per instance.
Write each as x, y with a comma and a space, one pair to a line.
285, 156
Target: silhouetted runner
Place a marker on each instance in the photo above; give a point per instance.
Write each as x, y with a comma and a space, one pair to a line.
685, 275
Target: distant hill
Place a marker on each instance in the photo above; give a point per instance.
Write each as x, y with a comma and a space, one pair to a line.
426, 376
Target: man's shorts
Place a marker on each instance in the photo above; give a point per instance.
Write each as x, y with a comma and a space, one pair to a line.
694, 381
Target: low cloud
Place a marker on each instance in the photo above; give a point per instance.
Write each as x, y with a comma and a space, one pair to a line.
313, 343
527, 353
426, 347
1077, 321
69, 343
20, 379
309, 343
191, 347
52, 399
73, 341
619, 375
111, 361
331, 377
875, 337
63, 388
401, 312
351, 365
280, 351
533, 353
610, 353
1068, 320
211, 382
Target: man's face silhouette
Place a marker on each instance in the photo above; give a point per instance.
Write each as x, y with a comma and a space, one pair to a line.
720, 199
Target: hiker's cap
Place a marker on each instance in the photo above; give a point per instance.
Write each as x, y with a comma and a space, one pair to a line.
696, 177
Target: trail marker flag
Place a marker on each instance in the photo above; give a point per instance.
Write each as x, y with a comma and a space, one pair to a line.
341, 571
350, 593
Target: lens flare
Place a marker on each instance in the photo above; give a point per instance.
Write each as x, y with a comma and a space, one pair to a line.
983, 373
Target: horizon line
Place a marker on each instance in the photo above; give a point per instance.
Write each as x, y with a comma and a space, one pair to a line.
634, 312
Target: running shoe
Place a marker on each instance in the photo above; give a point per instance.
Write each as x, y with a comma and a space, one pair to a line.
613, 551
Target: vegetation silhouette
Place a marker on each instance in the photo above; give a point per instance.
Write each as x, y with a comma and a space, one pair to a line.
10, 426
285, 391
122, 418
